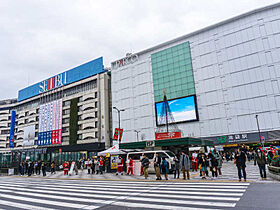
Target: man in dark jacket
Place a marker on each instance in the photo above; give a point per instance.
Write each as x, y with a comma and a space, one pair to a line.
145, 162
261, 160
157, 162
240, 160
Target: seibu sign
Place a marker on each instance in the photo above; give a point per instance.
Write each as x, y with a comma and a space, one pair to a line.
53, 82
129, 59
167, 135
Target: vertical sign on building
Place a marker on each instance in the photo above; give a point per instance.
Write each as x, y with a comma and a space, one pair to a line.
50, 123
12, 129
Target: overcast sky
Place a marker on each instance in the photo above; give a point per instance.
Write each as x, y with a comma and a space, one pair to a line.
40, 38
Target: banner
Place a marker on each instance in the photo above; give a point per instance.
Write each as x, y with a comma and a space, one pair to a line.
50, 123
12, 129
114, 162
116, 134
167, 135
29, 135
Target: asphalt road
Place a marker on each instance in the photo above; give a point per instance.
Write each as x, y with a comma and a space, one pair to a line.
40, 193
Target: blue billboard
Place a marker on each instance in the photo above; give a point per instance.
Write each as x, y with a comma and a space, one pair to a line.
12, 129
182, 109
73, 75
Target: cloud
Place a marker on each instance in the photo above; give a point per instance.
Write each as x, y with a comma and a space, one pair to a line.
42, 38
184, 115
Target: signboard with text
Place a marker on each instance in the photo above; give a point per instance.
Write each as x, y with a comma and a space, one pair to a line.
167, 135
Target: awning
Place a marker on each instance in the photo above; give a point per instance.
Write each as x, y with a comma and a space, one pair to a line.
114, 150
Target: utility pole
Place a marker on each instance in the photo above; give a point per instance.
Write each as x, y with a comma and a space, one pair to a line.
119, 116
137, 132
257, 119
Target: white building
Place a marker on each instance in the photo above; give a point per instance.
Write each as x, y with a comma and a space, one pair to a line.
232, 67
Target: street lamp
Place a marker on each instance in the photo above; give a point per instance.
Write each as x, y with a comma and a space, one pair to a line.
119, 115
257, 119
137, 132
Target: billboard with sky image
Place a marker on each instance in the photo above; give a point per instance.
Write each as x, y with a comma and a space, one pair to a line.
183, 109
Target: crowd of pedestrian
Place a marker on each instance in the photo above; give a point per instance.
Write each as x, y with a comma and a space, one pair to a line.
199, 161
29, 168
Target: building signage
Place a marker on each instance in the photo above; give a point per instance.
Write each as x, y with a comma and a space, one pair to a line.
238, 138
12, 129
29, 135
131, 58
73, 75
50, 123
54, 82
167, 135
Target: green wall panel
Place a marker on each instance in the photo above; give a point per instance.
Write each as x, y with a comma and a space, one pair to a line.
172, 70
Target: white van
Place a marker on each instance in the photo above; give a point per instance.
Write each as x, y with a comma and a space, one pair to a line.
136, 156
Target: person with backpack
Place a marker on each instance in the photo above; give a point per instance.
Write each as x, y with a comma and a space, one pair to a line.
165, 167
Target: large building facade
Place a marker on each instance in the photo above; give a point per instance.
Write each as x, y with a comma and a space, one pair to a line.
216, 80
61, 118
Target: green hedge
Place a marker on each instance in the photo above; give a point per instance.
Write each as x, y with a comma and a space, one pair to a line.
73, 123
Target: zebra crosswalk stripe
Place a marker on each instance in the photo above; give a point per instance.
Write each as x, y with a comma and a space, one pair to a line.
93, 195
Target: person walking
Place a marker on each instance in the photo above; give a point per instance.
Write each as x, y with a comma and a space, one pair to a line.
214, 163
96, 166
21, 168
44, 168
101, 163
185, 165
145, 162
130, 167
261, 160
39, 166
66, 167
93, 165
176, 167
29, 171
165, 168
219, 159
76, 168
157, 162
202, 163
88, 165
120, 166
52, 167
240, 161
194, 161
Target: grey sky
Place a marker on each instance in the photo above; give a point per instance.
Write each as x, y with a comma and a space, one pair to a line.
40, 38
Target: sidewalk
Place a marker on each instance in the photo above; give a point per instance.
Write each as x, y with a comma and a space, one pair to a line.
229, 173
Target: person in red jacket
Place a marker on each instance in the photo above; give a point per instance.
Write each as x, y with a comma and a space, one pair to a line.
101, 163
120, 166
66, 167
130, 167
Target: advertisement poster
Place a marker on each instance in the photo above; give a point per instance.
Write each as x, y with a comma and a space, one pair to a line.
50, 123
29, 135
114, 161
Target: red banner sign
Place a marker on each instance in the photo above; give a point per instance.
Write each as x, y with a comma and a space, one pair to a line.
118, 134
168, 135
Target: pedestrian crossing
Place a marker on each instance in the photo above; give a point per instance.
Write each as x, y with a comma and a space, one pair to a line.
32, 193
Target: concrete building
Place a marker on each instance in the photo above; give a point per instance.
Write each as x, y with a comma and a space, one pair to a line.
221, 77
61, 118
